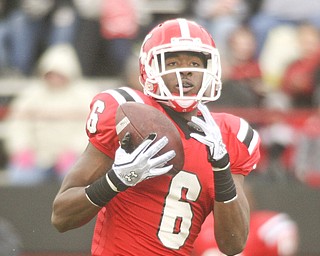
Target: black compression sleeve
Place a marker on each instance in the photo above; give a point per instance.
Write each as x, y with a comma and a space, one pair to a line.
224, 187
104, 189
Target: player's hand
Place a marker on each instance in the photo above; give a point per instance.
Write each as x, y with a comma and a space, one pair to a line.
210, 135
141, 164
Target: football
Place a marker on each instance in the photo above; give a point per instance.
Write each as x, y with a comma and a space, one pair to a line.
140, 120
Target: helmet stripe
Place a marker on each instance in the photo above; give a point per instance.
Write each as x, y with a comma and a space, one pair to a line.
184, 28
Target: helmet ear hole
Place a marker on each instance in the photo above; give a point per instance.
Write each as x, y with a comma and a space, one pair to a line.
142, 76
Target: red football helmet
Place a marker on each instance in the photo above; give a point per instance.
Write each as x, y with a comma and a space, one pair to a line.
179, 35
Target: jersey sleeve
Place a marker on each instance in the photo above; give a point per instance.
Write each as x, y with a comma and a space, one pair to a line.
100, 126
101, 123
242, 143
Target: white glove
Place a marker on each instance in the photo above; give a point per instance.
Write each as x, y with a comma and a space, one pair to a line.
132, 168
211, 137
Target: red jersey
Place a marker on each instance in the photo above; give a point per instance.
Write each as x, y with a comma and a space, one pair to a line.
271, 233
162, 215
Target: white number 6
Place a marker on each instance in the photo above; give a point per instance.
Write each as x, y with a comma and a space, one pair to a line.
177, 213
92, 122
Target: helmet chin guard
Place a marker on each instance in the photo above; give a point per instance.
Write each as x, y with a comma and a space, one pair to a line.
179, 35
183, 105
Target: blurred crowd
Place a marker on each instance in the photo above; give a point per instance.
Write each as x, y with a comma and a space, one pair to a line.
270, 53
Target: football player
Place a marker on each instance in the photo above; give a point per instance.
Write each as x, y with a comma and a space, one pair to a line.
272, 233
152, 212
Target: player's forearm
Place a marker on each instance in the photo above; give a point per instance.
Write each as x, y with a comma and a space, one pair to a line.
71, 209
232, 223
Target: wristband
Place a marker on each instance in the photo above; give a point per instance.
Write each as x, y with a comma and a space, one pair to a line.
224, 187
100, 192
220, 164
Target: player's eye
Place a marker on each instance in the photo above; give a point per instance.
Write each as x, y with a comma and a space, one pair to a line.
195, 64
171, 63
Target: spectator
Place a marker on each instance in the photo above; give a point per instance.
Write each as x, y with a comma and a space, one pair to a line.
277, 136
221, 17
276, 55
242, 79
45, 131
30, 27
5, 9
106, 34
306, 158
273, 13
89, 43
119, 27
299, 77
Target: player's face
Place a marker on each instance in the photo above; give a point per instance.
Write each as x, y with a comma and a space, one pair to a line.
191, 80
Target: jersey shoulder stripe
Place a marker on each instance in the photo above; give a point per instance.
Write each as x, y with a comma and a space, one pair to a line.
247, 135
124, 94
